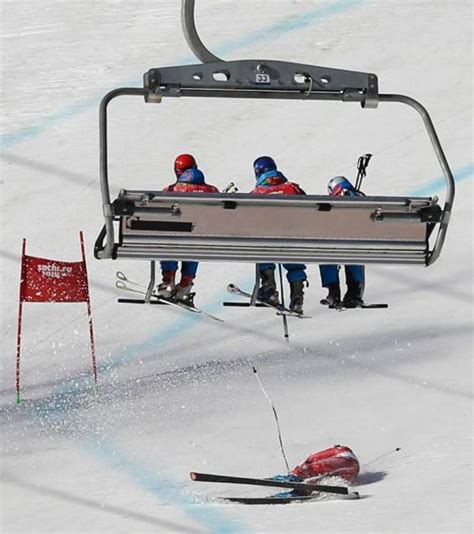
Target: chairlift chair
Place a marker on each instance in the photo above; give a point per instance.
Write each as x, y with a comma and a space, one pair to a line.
154, 225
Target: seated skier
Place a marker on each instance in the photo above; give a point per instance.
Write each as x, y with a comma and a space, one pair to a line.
189, 179
338, 461
271, 181
355, 275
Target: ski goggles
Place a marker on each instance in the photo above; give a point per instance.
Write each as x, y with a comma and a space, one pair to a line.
338, 190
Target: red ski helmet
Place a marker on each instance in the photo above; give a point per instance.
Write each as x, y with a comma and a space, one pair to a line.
183, 162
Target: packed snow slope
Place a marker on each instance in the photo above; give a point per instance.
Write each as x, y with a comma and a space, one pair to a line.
176, 392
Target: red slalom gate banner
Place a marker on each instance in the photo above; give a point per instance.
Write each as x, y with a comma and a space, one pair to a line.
44, 280
53, 281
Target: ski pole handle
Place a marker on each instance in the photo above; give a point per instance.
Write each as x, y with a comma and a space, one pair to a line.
363, 161
121, 285
123, 280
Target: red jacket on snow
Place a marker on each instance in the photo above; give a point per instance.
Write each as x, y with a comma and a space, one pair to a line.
336, 461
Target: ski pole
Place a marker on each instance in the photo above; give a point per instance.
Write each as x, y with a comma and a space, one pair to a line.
285, 323
276, 418
362, 164
382, 456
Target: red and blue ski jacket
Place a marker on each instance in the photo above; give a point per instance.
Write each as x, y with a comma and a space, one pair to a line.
275, 183
181, 187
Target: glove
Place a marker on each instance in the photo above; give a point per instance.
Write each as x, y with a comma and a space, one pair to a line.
231, 188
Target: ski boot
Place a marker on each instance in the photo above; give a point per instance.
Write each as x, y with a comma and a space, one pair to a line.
166, 289
289, 478
183, 292
334, 295
267, 291
353, 296
296, 296
286, 478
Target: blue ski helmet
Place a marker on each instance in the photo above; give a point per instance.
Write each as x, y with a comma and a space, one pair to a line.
339, 184
192, 176
263, 164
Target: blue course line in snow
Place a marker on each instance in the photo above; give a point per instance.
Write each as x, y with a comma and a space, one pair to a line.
165, 489
270, 33
440, 182
8, 140
159, 338
274, 31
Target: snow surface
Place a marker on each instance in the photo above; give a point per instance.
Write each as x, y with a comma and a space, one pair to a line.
177, 392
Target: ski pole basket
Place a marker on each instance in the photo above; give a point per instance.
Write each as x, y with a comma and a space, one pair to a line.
241, 227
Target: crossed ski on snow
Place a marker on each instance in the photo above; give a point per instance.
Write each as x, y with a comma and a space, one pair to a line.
309, 491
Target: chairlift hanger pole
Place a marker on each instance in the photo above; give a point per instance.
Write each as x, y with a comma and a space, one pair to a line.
265, 79
191, 35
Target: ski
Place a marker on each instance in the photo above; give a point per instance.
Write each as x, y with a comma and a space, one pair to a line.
139, 301
272, 499
280, 310
289, 313
122, 281
341, 306
243, 304
192, 309
305, 488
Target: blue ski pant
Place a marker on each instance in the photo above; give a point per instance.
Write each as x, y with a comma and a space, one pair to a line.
330, 274
188, 268
295, 271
